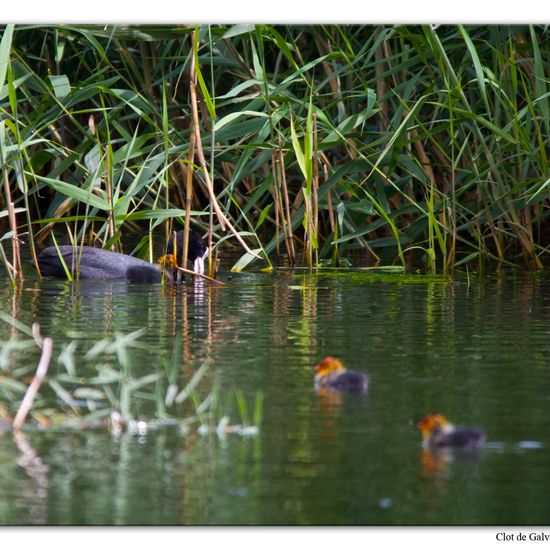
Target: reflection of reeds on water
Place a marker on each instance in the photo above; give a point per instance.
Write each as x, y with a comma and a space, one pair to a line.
113, 396
41, 371
35, 497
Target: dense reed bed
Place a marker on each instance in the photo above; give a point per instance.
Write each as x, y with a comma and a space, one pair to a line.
419, 145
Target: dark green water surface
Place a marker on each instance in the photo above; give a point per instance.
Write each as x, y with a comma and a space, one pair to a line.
476, 351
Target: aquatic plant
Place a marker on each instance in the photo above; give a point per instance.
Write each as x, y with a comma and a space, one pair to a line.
408, 142
105, 392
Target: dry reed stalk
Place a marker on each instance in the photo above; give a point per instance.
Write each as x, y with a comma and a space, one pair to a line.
201, 275
211, 264
16, 262
333, 79
290, 239
280, 207
147, 76
315, 180
381, 87
331, 220
222, 219
521, 232
53, 129
451, 255
422, 156
188, 196
108, 184
308, 241
276, 197
180, 171
521, 225
30, 395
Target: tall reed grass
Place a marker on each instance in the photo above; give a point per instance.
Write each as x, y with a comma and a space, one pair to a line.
411, 143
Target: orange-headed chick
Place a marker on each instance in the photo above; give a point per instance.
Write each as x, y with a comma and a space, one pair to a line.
438, 432
331, 373
167, 261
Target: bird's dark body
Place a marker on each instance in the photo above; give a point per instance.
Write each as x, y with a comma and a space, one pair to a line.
348, 381
464, 438
88, 262
95, 263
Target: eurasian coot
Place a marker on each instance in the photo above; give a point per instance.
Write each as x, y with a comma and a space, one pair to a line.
438, 432
195, 252
94, 263
331, 373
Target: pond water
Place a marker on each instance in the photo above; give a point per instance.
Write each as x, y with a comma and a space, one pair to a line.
476, 350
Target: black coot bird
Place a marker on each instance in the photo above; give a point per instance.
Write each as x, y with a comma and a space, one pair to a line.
94, 263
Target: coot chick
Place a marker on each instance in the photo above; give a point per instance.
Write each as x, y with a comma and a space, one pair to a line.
96, 263
437, 432
331, 373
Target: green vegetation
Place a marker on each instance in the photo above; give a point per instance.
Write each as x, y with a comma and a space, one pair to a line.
100, 388
412, 143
